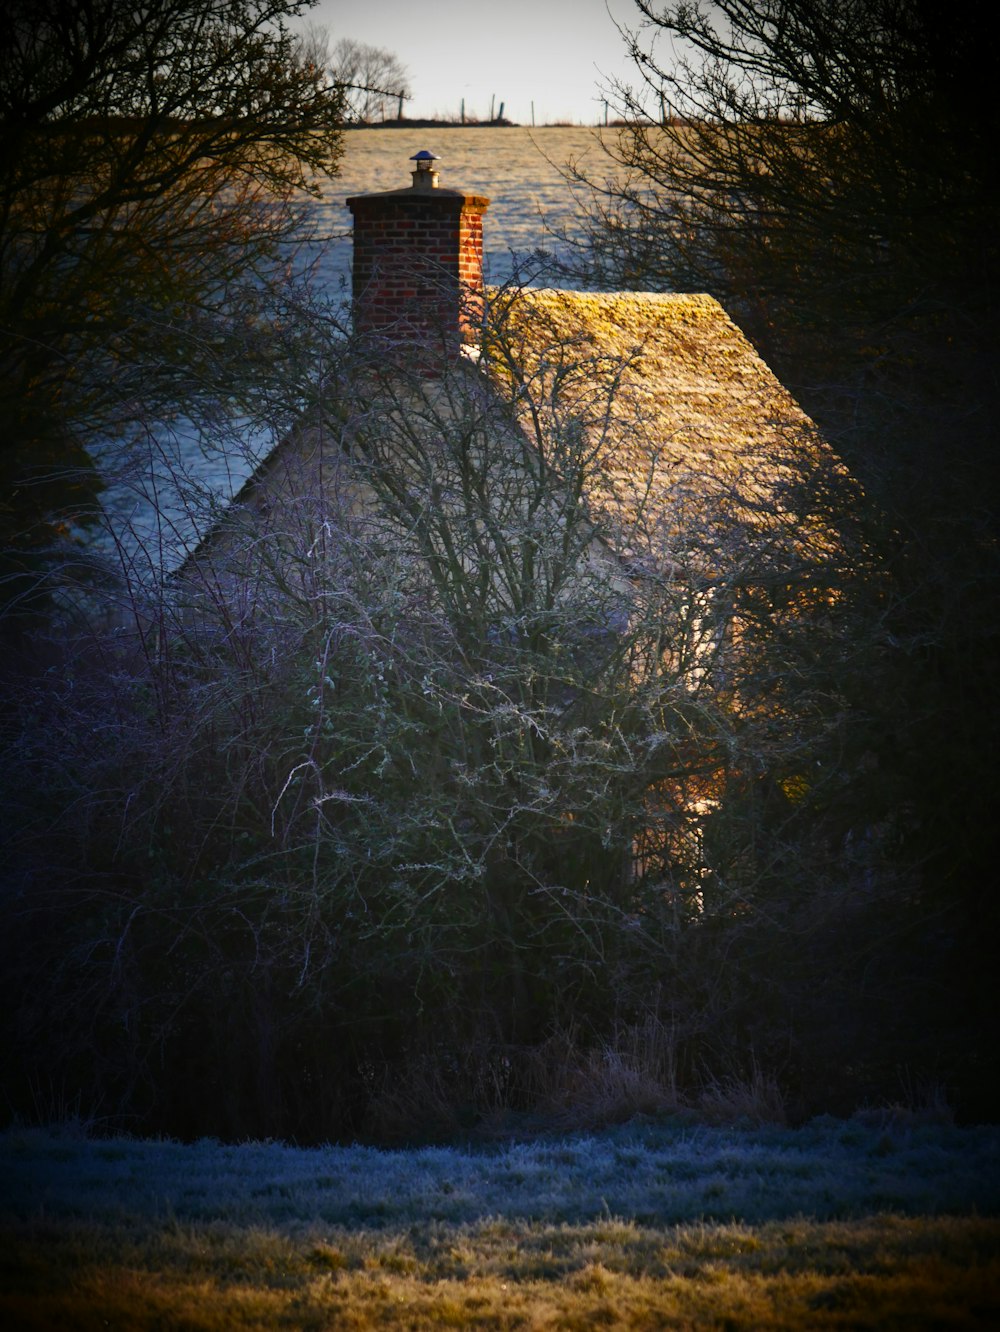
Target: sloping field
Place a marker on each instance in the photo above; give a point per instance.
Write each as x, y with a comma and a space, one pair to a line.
859, 1224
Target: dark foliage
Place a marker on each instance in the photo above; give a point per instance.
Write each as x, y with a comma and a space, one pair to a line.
150, 160
827, 170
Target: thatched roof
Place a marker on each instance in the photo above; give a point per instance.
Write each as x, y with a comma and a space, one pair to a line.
691, 377
689, 425
691, 418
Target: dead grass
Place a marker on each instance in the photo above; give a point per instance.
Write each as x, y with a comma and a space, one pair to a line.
633, 1073
567, 1084
843, 1223
888, 1271
752, 1099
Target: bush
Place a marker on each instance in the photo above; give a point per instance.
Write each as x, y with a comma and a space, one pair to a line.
431, 754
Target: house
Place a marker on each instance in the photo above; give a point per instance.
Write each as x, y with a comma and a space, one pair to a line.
691, 443
515, 474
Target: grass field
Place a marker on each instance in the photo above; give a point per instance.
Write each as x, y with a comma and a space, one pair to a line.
840, 1224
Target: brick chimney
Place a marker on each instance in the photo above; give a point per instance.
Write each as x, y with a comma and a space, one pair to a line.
418, 262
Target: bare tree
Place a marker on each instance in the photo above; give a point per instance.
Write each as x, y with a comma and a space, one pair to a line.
826, 155
153, 167
827, 168
374, 79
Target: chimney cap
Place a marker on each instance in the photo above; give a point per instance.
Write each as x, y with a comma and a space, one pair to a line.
424, 176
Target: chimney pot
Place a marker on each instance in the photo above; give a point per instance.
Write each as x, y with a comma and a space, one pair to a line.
424, 175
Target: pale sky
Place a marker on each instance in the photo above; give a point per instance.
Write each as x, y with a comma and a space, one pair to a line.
553, 52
